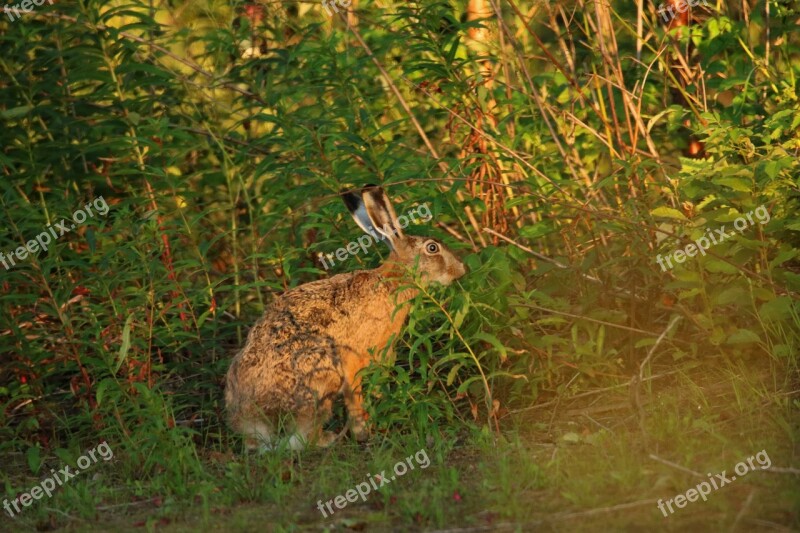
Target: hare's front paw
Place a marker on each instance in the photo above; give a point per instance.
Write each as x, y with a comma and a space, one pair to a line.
326, 438
361, 434
359, 428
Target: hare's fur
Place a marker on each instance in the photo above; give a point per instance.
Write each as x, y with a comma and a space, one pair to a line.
313, 340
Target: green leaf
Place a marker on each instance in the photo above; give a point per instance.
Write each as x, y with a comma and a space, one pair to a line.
15, 112
776, 310
101, 389
668, 212
784, 256
34, 458
719, 267
126, 343
736, 183
451, 376
458, 319
491, 339
465, 385
743, 336
536, 231
732, 295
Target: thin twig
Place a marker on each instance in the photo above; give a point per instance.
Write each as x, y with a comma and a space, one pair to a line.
62, 513
769, 524
583, 395
552, 518
537, 254
597, 321
126, 504
561, 265
675, 465
743, 510
598, 423
653, 349
636, 380
598, 510
783, 470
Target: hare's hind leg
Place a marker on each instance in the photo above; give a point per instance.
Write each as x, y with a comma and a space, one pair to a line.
259, 435
308, 425
257, 429
322, 382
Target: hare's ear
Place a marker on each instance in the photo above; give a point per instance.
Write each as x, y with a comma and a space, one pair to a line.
381, 213
358, 210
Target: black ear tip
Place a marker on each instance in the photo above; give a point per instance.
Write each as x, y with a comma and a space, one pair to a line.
351, 200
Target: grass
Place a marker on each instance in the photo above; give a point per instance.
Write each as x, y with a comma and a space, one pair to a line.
576, 463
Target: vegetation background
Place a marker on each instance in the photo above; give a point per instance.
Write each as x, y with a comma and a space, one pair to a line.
568, 382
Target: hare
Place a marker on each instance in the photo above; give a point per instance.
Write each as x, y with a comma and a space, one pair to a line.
313, 340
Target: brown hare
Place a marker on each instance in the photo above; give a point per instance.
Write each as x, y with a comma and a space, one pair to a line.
313, 340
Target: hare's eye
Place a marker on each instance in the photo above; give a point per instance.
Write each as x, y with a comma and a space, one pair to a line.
432, 247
